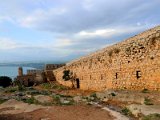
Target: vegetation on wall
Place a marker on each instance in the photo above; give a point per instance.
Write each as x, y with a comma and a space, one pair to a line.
19, 84
154, 116
116, 50
112, 51
66, 75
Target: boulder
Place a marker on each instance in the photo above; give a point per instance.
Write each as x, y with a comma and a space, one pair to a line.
143, 109
77, 98
43, 98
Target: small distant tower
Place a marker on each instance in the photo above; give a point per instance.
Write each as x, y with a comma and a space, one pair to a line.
20, 71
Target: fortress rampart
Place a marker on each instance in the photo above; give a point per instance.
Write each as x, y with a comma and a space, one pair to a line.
131, 64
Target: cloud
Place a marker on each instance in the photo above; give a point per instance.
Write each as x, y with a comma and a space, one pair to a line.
91, 14
69, 16
62, 42
76, 27
6, 44
101, 32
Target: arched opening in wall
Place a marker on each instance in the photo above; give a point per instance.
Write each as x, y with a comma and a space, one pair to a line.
138, 74
77, 83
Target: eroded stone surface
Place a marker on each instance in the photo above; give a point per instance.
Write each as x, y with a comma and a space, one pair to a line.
144, 109
18, 107
132, 64
43, 98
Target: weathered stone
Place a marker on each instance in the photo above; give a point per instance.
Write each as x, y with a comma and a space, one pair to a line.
158, 34
43, 98
105, 99
18, 107
127, 63
65, 102
143, 109
77, 98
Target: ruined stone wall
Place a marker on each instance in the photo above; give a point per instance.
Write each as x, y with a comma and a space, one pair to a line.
132, 64
34, 71
49, 71
26, 79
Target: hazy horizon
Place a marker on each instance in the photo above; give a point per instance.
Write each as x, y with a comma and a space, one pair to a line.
53, 30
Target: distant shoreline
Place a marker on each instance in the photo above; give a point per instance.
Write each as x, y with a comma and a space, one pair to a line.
12, 71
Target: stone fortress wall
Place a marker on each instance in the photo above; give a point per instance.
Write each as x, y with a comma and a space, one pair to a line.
34, 71
131, 64
37, 76
49, 71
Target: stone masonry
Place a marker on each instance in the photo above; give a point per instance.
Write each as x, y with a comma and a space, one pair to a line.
131, 64
49, 71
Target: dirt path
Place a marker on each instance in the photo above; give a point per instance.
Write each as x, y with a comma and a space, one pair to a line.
75, 112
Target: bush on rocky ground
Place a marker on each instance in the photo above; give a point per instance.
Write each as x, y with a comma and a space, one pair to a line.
63, 100
5, 81
11, 89
31, 100
53, 86
2, 100
155, 116
126, 111
147, 101
145, 91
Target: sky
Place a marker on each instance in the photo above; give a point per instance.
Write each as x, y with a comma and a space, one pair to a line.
62, 30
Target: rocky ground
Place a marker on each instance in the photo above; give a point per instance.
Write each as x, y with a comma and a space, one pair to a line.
56, 102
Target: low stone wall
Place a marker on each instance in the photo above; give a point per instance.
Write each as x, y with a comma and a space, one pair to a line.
132, 64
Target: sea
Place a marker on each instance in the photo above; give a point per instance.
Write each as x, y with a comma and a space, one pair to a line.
12, 71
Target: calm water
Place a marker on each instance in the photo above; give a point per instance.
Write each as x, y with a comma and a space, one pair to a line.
11, 71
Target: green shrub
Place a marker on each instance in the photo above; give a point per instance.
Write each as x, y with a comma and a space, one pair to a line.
59, 87
31, 100
116, 50
126, 111
46, 85
154, 116
34, 92
147, 101
145, 90
56, 99
11, 89
93, 95
2, 101
20, 86
53, 86
66, 75
113, 94
5, 81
